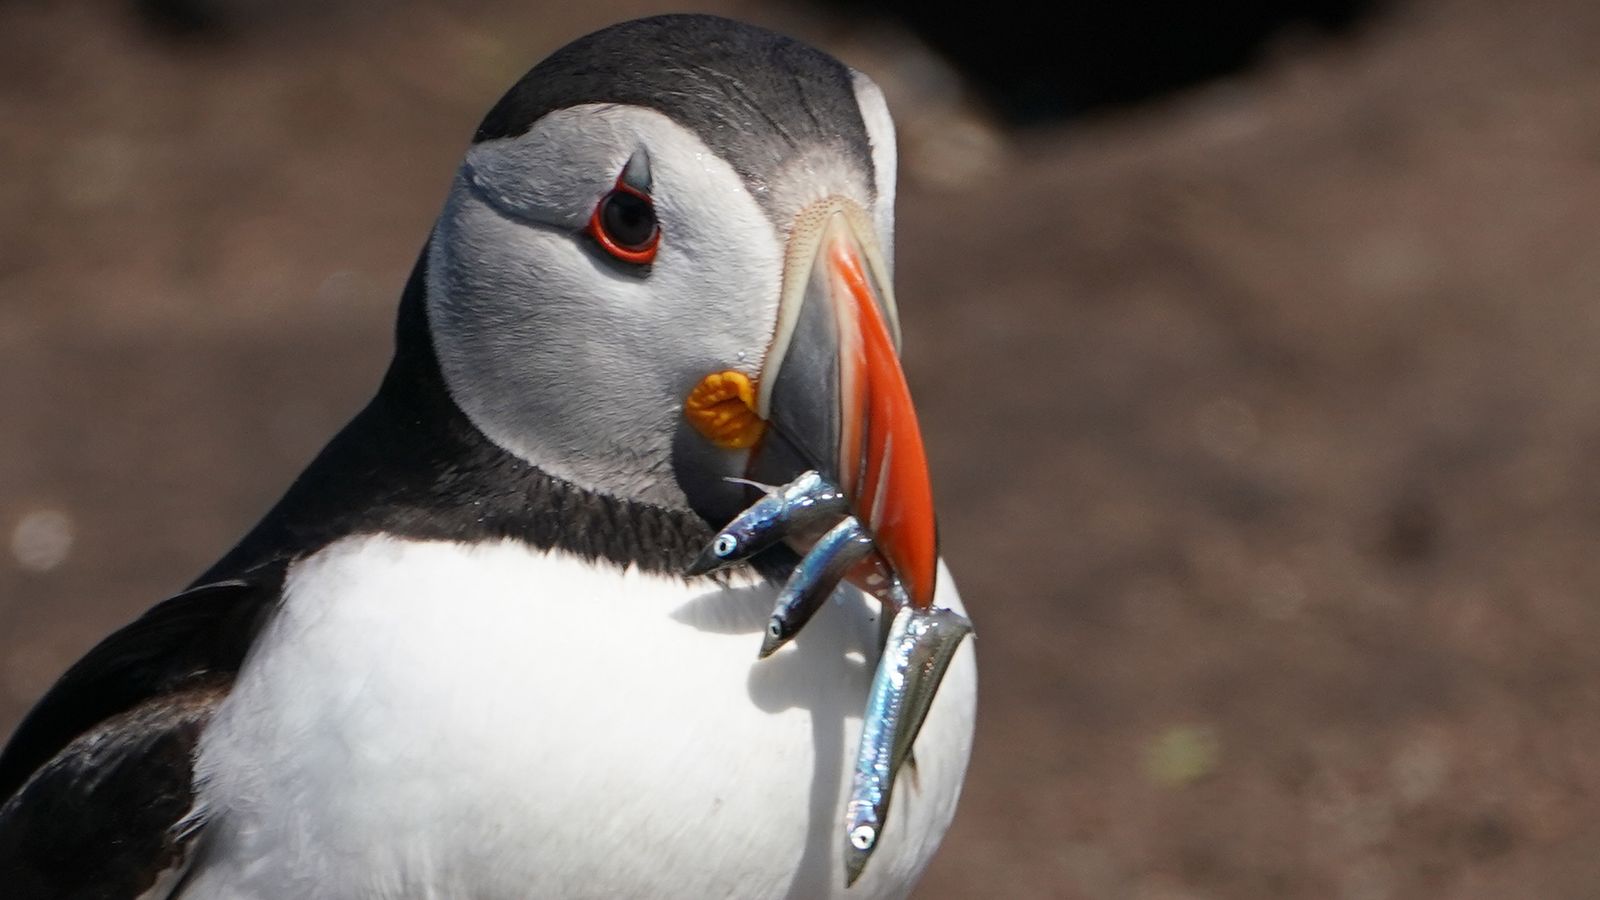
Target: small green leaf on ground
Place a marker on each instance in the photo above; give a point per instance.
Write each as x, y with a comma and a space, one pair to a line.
1182, 755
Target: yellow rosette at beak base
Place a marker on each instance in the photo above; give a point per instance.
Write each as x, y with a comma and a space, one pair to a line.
722, 407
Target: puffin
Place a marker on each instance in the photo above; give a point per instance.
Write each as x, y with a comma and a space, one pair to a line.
476, 649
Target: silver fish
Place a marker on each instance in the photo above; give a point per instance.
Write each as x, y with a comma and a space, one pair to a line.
814, 579
920, 646
802, 504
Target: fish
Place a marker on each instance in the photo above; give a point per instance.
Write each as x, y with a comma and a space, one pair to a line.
814, 580
916, 654
918, 645
804, 503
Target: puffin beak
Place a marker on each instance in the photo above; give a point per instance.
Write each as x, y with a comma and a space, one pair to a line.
829, 424
835, 399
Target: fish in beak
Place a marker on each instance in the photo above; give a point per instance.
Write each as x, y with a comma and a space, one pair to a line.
832, 399
835, 445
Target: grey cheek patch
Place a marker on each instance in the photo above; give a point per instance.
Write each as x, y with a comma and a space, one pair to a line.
523, 180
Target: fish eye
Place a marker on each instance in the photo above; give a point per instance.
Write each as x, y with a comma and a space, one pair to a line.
775, 628
624, 224
863, 836
725, 545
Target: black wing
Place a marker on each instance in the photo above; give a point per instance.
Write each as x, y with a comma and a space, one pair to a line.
97, 779
104, 819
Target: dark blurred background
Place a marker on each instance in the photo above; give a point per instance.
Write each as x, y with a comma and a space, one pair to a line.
1255, 344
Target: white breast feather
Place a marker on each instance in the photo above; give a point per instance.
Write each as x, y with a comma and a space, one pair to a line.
435, 720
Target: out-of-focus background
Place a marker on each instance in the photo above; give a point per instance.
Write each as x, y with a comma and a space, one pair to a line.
1258, 351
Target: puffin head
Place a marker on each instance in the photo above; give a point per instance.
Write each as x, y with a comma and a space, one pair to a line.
664, 270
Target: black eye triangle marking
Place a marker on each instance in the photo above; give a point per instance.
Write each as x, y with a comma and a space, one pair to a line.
636, 174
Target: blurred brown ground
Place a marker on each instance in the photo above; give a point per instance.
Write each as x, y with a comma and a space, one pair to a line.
1265, 419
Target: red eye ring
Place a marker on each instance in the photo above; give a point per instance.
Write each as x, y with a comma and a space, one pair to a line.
624, 223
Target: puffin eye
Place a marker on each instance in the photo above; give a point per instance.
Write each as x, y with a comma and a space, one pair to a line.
624, 223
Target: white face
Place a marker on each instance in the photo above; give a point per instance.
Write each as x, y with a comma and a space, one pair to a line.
577, 361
